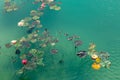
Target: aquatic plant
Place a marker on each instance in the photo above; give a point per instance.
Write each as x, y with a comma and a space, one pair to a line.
10, 5
30, 48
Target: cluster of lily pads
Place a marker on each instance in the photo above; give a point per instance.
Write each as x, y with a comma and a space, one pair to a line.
101, 59
51, 3
30, 48
10, 5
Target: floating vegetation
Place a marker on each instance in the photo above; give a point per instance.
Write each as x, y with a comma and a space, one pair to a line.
10, 5
30, 48
101, 59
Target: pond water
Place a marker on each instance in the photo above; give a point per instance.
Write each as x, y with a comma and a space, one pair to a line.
95, 21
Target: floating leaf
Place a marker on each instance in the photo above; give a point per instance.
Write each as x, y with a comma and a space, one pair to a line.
33, 13
18, 44
27, 19
30, 66
15, 9
7, 0
9, 10
26, 24
33, 51
33, 40
23, 56
57, 8
39, 26
40, 62
20, 71
35, 17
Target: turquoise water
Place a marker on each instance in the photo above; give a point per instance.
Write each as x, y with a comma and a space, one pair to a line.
97, 21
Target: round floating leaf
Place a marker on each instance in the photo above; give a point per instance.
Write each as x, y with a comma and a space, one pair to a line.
33, 12
15, 9
26, 24
18, 44
37, 0
23, 56
9, 10
53, 7
35, 17
33, 40
20, 71
30, 66
39, 26
57, 8
7, 0
40, 62
27, 19
33, 51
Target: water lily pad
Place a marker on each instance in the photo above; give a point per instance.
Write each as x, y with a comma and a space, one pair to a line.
20, 71
7, 0
53, 7
27, 19
39, 13
23, 56
35, 17
39, 26
37, 0
33, 51
18, 44
33, 12
30, 66
57, 8
33, 40
15, 9
26, 24
40, 62
9, 10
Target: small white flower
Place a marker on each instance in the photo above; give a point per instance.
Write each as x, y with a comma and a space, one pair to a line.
94, 56
50, 0
13, 41
52, 44
21, 23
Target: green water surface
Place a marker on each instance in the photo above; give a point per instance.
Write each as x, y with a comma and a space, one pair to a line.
95, 21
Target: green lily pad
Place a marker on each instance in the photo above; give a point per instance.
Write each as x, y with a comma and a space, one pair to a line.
33, 40
23, 56
53, 7
7, 0
26, 24
27, 19
35, 17
15, 9
40, 62
33, 51
33, 12
18, 44
57, 8
39, 13
39, 26
40, 54
37, 0
20, 71
9, 10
